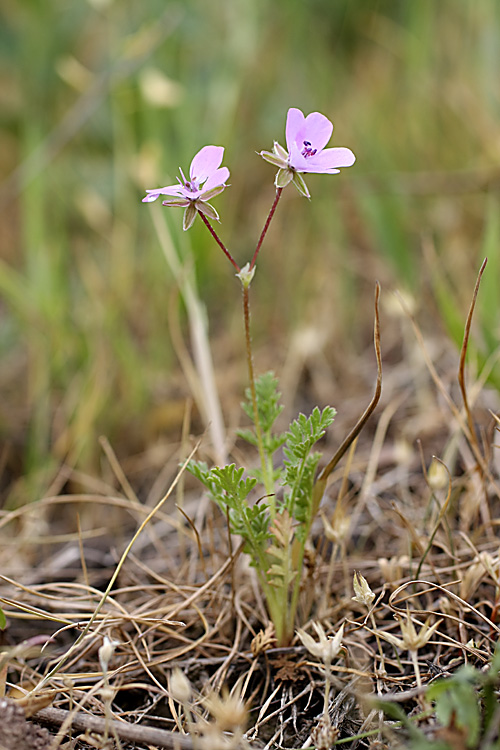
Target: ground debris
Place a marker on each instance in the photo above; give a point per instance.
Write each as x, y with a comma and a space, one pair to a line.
16, 732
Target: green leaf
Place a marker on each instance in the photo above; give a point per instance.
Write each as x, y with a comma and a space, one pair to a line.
3, 620
225, 485
252, 524
457, 703
300, 505
248, 436
300, 466
304, 432
229, 479
200, 470
395, 712
268, 396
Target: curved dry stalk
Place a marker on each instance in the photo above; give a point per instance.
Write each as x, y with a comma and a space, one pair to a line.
463, 354
448, 593
320, 484
449, 401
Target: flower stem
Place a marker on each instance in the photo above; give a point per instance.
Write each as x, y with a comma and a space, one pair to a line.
218, 240
381, 670
328, 681
268, 480
266, 227
414, 658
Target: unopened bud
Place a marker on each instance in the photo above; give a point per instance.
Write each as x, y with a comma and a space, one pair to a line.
437, 477
363, 593
180, 687
246, 275
106, 652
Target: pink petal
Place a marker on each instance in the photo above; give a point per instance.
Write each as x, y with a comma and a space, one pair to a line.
294, 121
205, 163
152, 195
317, 129
219, 177
330, 158
296, 160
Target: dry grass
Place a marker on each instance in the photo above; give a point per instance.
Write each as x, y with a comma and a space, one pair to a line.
179, 594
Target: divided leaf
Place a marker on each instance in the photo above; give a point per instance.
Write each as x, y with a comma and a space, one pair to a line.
300, 465
229, 479
230, 491
252, 524
304, 432
268, 396
225, 485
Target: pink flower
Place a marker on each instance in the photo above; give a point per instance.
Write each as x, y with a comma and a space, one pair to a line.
306, 138
206, 180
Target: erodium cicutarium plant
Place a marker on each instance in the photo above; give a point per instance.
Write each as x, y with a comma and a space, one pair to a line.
271, 507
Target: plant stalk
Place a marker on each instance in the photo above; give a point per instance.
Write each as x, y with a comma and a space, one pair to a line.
268, 480
266, 227
218, 240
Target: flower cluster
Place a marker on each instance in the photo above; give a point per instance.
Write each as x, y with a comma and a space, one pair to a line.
306, 138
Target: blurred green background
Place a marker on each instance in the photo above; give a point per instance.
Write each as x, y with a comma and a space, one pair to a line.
100, 100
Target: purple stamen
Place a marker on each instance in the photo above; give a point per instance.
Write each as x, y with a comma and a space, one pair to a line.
189, 184
307, 150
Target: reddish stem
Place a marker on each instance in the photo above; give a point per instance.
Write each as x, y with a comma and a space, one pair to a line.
218, 240
251, 377
266, 227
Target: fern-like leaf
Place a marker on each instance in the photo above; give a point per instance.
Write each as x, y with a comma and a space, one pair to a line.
300, 466
304, 432
229, 479
268, 396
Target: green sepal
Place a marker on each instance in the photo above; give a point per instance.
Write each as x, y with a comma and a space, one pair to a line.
275, 159
280, 151
301, 186
176, 202
189, 217
213, 192
283, 177
207, 209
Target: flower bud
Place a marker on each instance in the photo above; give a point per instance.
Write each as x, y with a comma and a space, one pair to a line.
363, 593
106, 652
180, 687
246, 275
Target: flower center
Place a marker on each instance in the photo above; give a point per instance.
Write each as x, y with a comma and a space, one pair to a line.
191, 185
307, 151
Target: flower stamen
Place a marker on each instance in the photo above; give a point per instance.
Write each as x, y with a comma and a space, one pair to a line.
307, 151
190, 185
